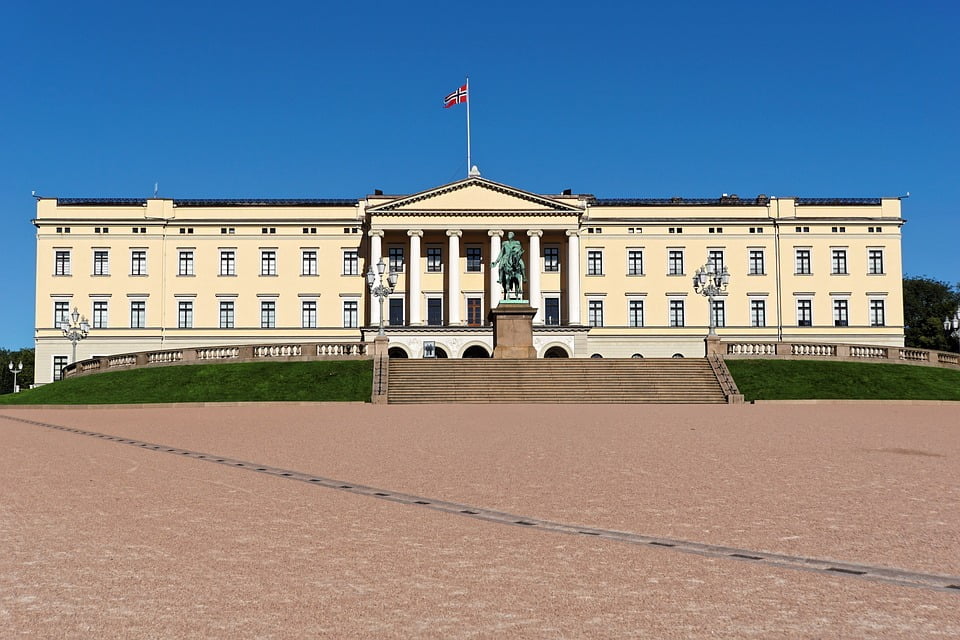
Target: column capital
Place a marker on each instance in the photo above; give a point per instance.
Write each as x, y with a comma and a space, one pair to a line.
454, 232
498, 233
375, 233
535, 233
415, 232
573, 232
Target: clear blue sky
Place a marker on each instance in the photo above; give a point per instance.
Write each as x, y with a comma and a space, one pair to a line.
321, 99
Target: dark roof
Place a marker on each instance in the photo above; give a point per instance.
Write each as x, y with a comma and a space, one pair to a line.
681, 202
211, 202
838, 202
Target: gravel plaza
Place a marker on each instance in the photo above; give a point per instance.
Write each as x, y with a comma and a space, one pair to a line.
103, 538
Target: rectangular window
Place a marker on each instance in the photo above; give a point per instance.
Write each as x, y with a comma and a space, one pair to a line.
594, 262
804, 313
185, 314
840, 318
268, 314
756, 266
715, 257
474, 312
434, 259
268, 263
350, 314
675, 262
635, 262
719, 313
396, 312
474, 259
551, 259
636, 313
434, 311
396, 259
351, 262
228, 263
803, 261
875, 261
61, 313
551, 311
59, 362
676, 313
101, 263
138, 314
100, 314
227, 314
185, 264
308, 314
876, 313
61, 263
308, 262
595, 313
138, 262
839, 261
758, 313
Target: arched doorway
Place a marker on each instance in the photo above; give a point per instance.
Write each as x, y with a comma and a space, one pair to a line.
476, 351
677, 355
397, 352
556, 352
438, 352
637, 355
596, 355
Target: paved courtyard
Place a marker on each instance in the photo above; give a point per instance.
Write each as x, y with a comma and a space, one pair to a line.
100, 538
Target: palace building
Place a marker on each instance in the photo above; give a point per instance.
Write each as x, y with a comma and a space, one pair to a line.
609, 277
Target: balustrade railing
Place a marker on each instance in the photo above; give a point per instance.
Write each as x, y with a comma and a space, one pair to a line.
306, 351
840, 351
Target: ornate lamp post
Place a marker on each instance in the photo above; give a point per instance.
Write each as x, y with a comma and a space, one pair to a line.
75, 330
710, 283
15, 370
953, 323
379, 288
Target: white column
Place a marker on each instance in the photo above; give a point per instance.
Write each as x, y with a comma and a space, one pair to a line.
495, 292
453, 276
413, 277
533, 269
376, 254
573, 277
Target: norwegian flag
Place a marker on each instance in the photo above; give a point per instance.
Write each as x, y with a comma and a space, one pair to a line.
457, 97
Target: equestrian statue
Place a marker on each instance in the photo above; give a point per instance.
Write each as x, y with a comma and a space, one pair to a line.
513, 273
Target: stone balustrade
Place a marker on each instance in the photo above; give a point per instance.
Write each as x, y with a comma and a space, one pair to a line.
734, 349
233, 353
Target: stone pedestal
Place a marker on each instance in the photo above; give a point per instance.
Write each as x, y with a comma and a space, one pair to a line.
513, 330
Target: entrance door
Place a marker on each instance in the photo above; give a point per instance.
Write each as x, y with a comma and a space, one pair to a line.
396, 312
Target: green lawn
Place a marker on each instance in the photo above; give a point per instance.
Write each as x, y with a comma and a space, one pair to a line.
806, 379
325, 381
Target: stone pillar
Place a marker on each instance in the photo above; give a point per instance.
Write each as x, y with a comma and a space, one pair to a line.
573, 276
495, 292
376, 254
453, 276
533, 270
413, 277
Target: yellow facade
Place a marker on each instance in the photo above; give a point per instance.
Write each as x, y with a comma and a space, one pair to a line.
609, 277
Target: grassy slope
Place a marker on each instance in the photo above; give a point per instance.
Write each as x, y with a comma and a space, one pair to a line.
340, 380
805, 379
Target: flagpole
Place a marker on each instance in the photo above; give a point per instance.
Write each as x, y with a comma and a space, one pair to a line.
468, 125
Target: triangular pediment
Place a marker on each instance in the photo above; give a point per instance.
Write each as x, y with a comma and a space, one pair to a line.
475, 195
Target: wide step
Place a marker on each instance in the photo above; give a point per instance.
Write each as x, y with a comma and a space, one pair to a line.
634, 381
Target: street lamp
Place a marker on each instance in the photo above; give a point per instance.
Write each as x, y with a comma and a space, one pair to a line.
15, 370
710, 283
379, 288
75, 330
953, 323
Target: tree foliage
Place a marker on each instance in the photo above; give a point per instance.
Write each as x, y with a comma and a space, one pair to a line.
926, 302
24, 378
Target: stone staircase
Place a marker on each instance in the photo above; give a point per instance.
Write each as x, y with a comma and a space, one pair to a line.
648, 380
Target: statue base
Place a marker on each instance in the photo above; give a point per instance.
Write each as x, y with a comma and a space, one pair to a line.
513, 330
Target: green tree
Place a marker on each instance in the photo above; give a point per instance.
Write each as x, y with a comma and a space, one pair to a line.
24, 378
926, 302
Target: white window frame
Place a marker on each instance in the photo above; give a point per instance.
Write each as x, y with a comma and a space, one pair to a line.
101, 267
309, 262
62, 262
228, 262
138, 261
185, 262
142, 319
